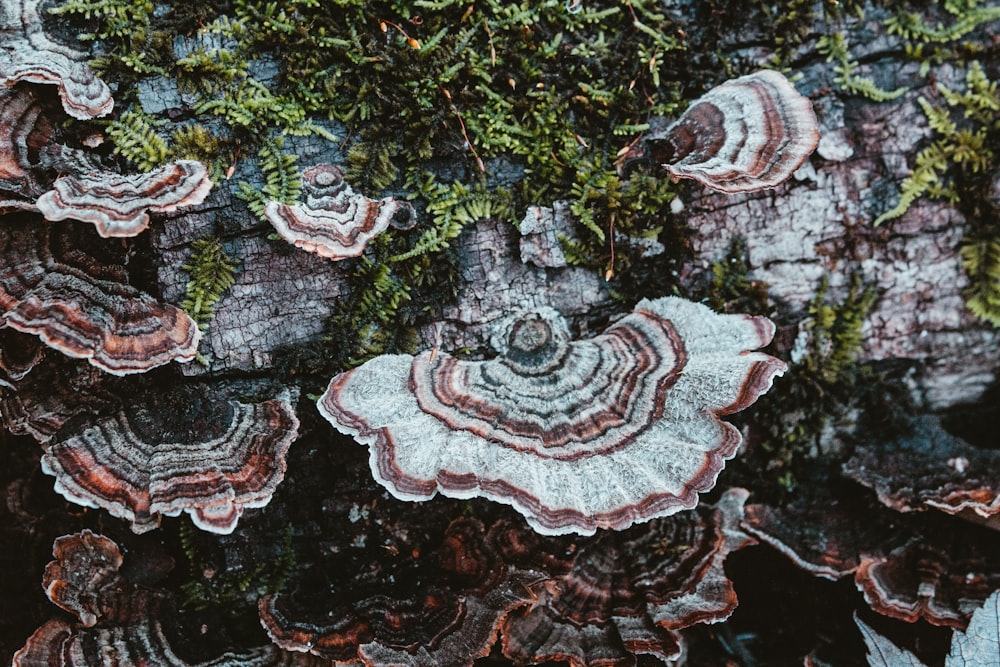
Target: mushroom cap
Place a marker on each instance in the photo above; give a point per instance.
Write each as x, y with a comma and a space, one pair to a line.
83, 95
120, 619
335, 222
931, 582
55, 391
930, 468
24, 130
746, 134
575, 435
19, 354
908, 567
628, 593
29, 55
142, 642
85, 564
119, 205
87, 311
110, 466
463, 592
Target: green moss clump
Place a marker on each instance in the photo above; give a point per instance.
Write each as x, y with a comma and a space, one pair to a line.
824, 380
956, 168
282, 182
212, 587
965, 16
212, 272
135, 138
967, 130
835, 48
981, 260
731, 290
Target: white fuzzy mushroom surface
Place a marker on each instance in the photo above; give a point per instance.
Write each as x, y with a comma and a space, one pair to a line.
576, 435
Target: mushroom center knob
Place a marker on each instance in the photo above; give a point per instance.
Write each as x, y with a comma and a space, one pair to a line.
529, 335
325, 179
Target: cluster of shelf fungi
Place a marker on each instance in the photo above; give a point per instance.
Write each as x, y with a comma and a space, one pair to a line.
577, 435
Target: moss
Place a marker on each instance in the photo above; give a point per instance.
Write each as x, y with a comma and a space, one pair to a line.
135, 138
282, 182
197, 142
212, 272
731, 290
965, 146
210, 586
557, 93
981, 261
965, 16
835, 48
957, 167
824, 382
124, 23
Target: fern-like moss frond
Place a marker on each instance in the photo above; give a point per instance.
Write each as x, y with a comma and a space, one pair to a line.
282, 181
135, 138
211, 273
981, 261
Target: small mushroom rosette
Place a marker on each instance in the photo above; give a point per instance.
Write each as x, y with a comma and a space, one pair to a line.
335, 221
574, 434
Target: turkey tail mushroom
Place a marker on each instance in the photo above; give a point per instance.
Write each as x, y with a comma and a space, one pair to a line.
747, 134
336, 222
27, 54
118, 205
87, 310
574, 434
111, 466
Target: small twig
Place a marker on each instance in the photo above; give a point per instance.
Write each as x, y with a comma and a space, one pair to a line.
610, 273
480, 165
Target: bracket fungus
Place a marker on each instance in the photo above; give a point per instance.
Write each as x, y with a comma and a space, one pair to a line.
85, 566
56, 390
119, 205
629, 593
930, 468
19, 354
87, 310
746, 134
24, 130
463, 592
120, 622
941, 584
574, 434
335, 221
109, 465
912, 567
27, 54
